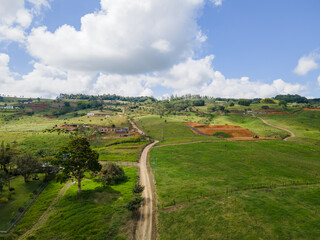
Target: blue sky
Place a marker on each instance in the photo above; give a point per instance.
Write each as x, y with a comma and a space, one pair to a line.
227, 48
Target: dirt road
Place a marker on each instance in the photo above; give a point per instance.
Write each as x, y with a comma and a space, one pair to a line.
145, 223
282, 128
136, 127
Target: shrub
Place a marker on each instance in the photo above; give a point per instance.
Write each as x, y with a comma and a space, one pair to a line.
4, 200
221, 135
112, 174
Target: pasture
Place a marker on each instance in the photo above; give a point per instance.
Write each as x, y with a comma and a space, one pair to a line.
194, 180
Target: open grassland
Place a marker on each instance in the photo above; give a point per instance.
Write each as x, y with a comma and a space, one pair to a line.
169, 129
305, 125
188, 171
255, 125
288, 213
125, 152
17, 199
98, 213
237, 190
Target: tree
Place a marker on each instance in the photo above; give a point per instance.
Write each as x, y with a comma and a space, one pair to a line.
7, 155
27, 164
283, 103
268, 101
77, 158
244, 102
112, 174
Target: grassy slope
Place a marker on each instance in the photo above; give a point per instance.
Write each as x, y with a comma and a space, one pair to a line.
125, 152
22, 193
253, 124
98, 213
305, 124
188, 172
173, 130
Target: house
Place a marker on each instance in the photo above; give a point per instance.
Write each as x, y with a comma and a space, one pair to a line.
90, 114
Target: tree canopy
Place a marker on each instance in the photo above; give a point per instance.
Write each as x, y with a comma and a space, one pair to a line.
77, 158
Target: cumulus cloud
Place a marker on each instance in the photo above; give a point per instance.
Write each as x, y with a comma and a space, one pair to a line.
217, 2
15, 18
307, 64
124, 37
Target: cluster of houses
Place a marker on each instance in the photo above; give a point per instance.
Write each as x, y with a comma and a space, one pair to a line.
9, 107
98, 115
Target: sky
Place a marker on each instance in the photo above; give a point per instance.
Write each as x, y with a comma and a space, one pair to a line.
219, 48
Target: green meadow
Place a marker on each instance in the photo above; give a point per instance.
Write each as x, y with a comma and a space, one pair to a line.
197, 185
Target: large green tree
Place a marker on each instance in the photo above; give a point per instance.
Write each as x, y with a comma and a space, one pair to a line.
27, 164
77, 158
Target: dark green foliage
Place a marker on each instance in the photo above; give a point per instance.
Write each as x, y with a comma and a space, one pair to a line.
135, 204
198, 102
112, 174
265, 107
244, 102
77, 158
27, 164
138, 189
283, 103
292, 98
231, 104
221, 135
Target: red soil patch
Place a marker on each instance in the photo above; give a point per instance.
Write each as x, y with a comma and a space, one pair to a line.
233, 131
311, 109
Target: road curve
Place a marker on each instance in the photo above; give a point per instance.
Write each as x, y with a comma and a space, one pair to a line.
282, 128
145, 223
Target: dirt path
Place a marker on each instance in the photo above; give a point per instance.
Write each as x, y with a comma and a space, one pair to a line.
44, 217
282, 128
136, 127
145, 223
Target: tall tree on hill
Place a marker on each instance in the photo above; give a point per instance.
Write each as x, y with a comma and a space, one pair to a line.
77, 158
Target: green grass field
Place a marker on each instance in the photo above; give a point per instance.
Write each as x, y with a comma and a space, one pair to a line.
98, 213
170, 129
305, 124
19, 197
211, 174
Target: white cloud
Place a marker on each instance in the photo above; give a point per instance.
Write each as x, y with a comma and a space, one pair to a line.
319, 80
191, 76
217, 2
199, 77
124, 37
307, 64
15, 18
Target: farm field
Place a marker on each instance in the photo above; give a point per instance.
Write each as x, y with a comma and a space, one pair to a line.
236, 173
173, 130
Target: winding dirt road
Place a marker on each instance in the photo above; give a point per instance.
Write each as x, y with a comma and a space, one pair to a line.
282, 128
145, 223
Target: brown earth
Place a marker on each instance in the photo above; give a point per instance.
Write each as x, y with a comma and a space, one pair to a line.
311, 109
233, 131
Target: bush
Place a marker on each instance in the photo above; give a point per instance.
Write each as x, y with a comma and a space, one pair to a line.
135, 204
112, 174
244, 102
138, 189
4, 200
221, 135
265, 107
